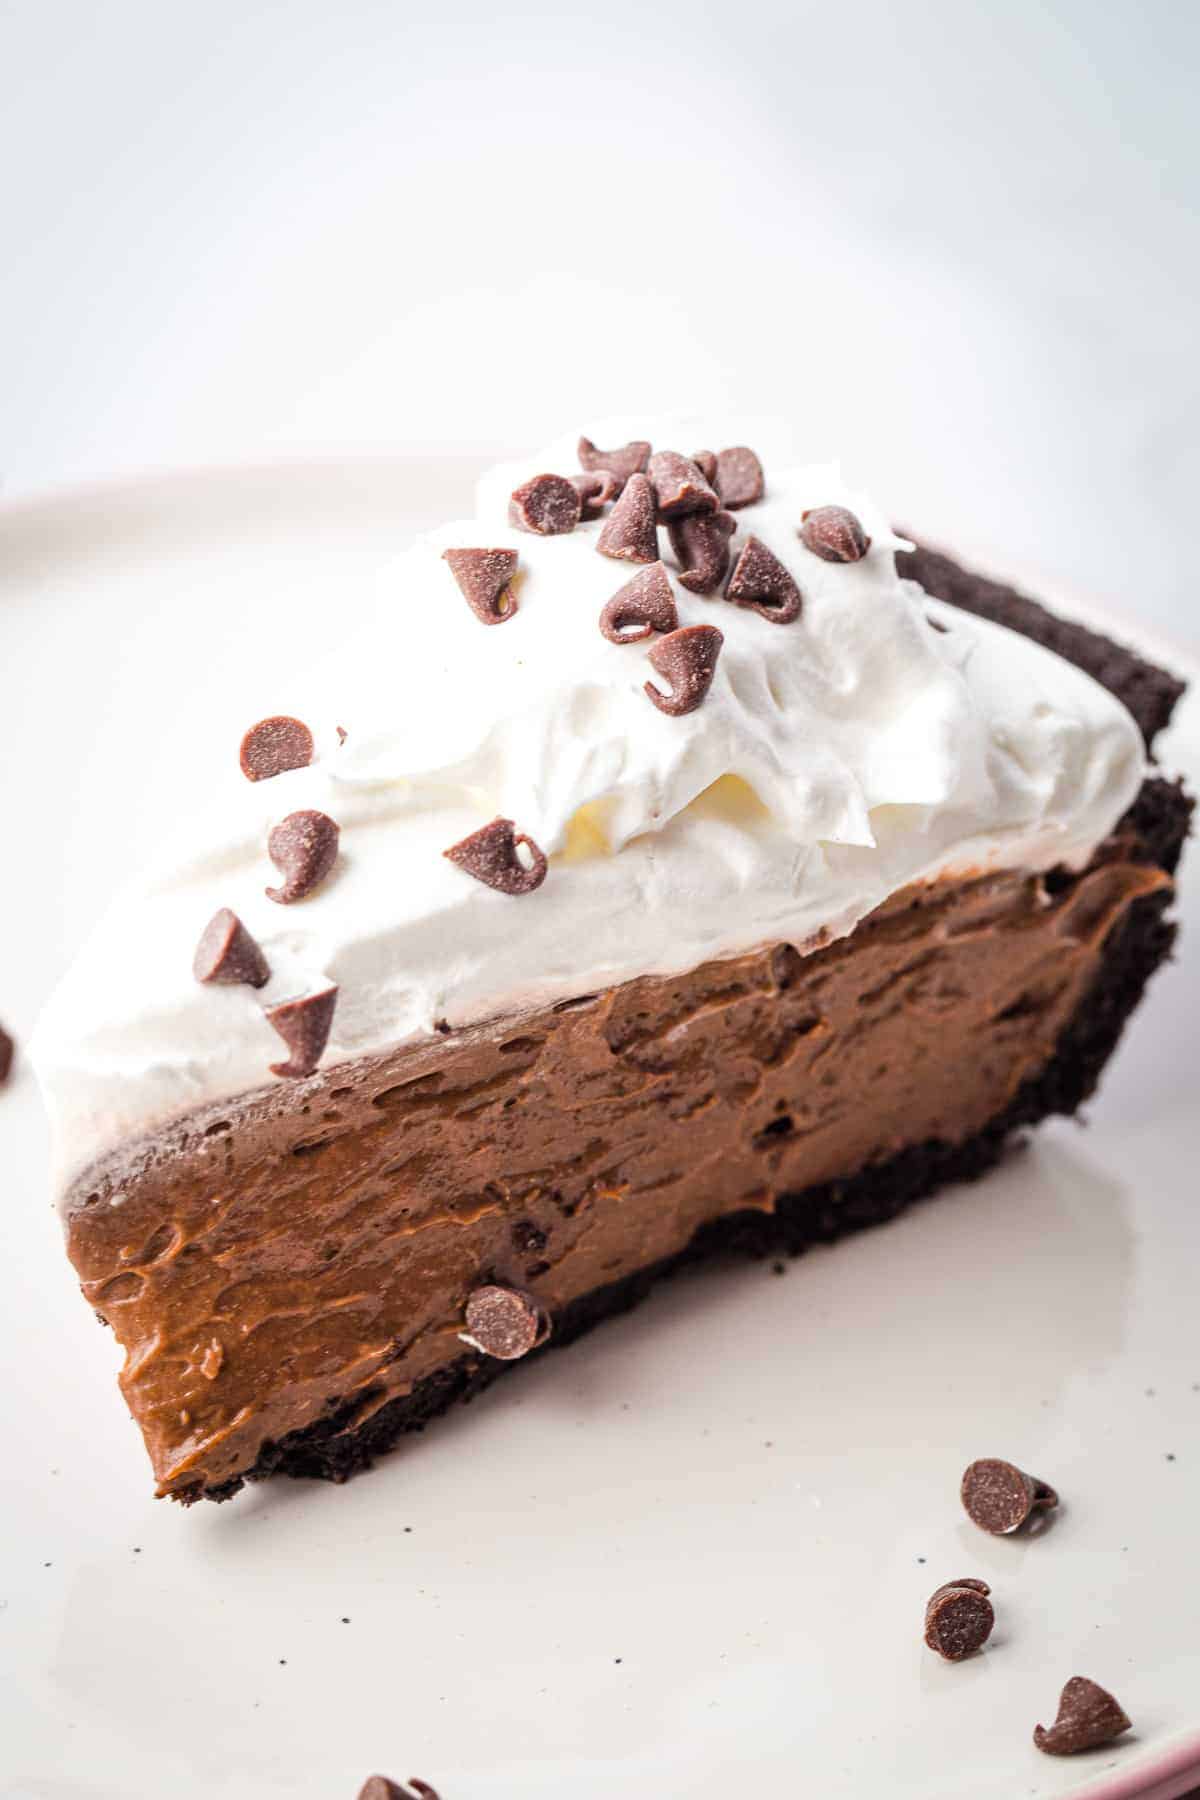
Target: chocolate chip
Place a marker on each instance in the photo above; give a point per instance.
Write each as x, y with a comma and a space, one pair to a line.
833, 533
546, 504
8, 1050
706, 462
701, 545
630, 459
490, 855
687, 659
959, 1618
999, 1497
1087, 1715
504, 1322
761, 583
644, 605
378, 1787
304, 848
273, 746
739, 478
596, 491
631, 529
679, 486
483, 577
227, 953
303, 1025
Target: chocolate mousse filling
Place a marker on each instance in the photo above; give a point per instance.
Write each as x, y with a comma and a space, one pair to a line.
290, 1275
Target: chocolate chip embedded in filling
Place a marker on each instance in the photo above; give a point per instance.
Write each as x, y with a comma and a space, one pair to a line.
504, 1322
274, 746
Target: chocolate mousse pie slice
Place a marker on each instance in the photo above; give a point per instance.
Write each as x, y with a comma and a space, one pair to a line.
707, 907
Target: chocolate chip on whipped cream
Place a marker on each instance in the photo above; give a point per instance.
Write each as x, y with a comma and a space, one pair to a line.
274, 746
761, 583
304, 848
834, 534
706, 462
7, 1052
701, 545
643, 606
304, 1025
630, 532
490, 855
504, 1322
999, 1497
547, 505
959, 1618
630, 459
483, 577
227, 953
739, 477
688, 660
1087, 1716
596, 491
679, 486
379, 1787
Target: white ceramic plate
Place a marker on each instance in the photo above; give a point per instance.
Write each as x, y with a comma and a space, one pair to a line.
688, 1556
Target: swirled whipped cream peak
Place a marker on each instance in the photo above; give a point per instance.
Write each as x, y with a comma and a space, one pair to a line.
875, 739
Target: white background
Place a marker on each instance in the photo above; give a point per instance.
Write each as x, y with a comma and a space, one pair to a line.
956, 243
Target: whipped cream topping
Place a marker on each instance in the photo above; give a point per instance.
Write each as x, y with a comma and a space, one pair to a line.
834, 760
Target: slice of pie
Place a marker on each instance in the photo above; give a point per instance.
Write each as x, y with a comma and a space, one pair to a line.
672, 858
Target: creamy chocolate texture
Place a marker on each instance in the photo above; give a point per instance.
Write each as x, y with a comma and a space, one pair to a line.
315, 1247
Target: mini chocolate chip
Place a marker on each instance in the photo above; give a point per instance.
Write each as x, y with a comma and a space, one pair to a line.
227, 953
687, 659
379, 1787
630, 459
833, 533
999, 1497
644, 605
546, 504
504, 1322
761, 583
275, 745
959, 1618
596, 491
701, 545
304, 848
630, 531
706, 462
490, 855
739, 478
8, 1050
1087, 1715
483, 577
303, 1025
679, 486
